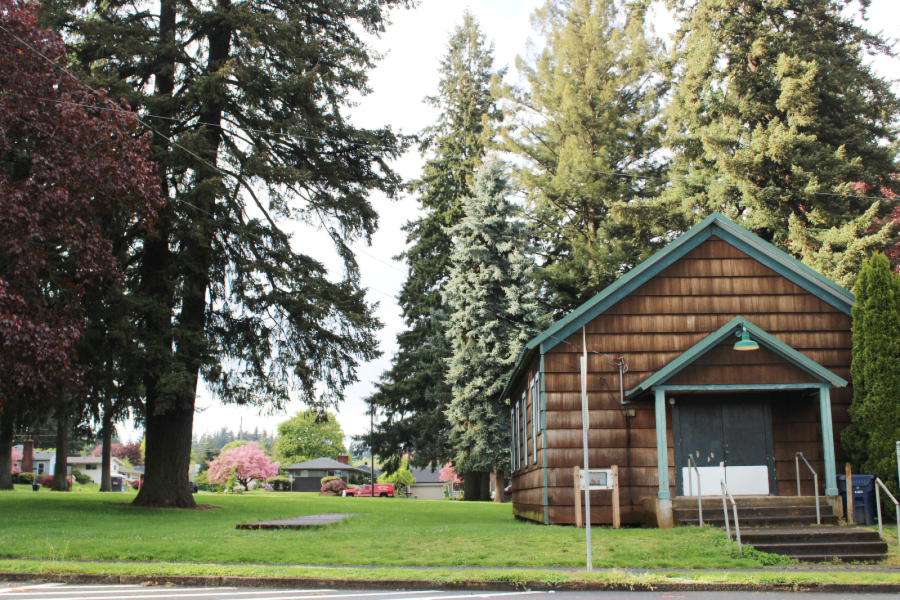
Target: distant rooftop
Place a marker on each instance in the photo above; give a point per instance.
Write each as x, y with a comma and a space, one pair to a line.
322, 464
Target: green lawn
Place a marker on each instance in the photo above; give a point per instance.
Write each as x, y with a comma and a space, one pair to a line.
392, 532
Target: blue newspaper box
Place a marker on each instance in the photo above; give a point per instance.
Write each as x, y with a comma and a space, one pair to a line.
863, 498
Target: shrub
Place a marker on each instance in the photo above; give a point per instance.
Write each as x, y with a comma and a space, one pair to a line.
47, 481
327, 478
335, 485
25, 478
81, 478
279, 484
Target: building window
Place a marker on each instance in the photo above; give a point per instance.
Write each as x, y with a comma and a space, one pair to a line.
40, 468
90, 467
534, 419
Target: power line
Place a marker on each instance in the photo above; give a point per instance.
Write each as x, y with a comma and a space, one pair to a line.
385, 148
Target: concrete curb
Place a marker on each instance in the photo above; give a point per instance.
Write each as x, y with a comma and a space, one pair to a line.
407, 584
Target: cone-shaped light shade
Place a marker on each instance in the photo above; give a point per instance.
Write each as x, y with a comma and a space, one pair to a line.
746, 343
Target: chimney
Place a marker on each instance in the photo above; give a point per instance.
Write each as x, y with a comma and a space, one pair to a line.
343, 458
28, 456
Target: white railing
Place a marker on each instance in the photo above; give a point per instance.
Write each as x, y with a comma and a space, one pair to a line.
797, 458
699, 487
737, 526
878, 506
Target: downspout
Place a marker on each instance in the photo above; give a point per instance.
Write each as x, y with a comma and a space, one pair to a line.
543, 400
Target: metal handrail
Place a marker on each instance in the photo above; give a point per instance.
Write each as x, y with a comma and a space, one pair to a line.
737, 526
691, 487
797, 458
878, 505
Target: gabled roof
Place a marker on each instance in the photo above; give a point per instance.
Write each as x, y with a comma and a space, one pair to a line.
425, 474
321, 464
716, 225
816, 370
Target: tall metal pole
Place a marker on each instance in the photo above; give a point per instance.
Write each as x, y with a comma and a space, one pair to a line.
371, 447
584, 435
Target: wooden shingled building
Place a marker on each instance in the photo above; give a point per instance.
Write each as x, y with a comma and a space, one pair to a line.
675, 320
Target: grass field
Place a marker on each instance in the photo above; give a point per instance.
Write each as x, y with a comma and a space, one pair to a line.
391, 532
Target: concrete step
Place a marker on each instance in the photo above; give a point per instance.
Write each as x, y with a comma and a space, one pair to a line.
750, 511
718, 520
816, 535
818, 544
749, 501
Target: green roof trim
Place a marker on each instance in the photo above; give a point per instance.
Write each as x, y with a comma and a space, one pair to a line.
717, 337
716, 225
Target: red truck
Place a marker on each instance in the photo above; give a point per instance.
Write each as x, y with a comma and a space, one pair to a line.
382, 490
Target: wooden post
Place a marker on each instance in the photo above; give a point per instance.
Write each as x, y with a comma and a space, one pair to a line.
849, 471
577, 498
617, 522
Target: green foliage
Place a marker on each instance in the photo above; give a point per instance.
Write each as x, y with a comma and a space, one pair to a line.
25, 478
871, 438
309, 435
776, 115
589, 111
492, 312
220, 291
400, 477
235, 444
279, 484
839, 252
413, 393
81, 477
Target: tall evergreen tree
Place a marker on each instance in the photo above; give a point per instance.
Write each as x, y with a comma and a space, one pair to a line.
493, 310
776, 115
871, 438
246, 100
412, 394
587, 125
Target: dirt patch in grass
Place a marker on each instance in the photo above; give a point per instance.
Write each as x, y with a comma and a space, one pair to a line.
130, 505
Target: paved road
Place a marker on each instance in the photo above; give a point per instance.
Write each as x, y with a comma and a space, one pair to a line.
54, 591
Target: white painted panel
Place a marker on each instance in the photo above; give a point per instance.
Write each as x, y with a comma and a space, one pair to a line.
742, 481
748, 481
710, 478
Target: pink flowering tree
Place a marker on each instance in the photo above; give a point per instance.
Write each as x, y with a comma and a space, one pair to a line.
16, 455
247, 462
448, 473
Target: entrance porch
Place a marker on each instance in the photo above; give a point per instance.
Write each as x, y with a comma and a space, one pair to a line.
739, 418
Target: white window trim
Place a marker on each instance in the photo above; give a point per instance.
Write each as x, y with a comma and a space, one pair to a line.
534, 419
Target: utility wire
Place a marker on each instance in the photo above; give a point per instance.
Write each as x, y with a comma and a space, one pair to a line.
390, 149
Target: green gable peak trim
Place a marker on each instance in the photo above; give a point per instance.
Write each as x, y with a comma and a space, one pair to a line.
714, 225
658, 379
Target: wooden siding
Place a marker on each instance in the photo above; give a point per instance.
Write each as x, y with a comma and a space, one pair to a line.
653, 326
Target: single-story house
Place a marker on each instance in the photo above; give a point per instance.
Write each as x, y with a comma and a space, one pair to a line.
428, 485
42, 463
306, 476
92, 466
721, 348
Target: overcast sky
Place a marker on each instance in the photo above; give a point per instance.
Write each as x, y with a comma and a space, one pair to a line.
413, 46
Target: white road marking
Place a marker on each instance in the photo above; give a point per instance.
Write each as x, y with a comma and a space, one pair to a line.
145, 592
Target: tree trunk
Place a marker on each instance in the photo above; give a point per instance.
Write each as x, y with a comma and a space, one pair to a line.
6, 442
499, 495
106, 461
477, 486
167, 457
60, 471
485, 495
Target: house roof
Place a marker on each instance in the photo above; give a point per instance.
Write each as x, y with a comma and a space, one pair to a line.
89, 460
816, 370
716, 225
368, 469
321, 464
424, 475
